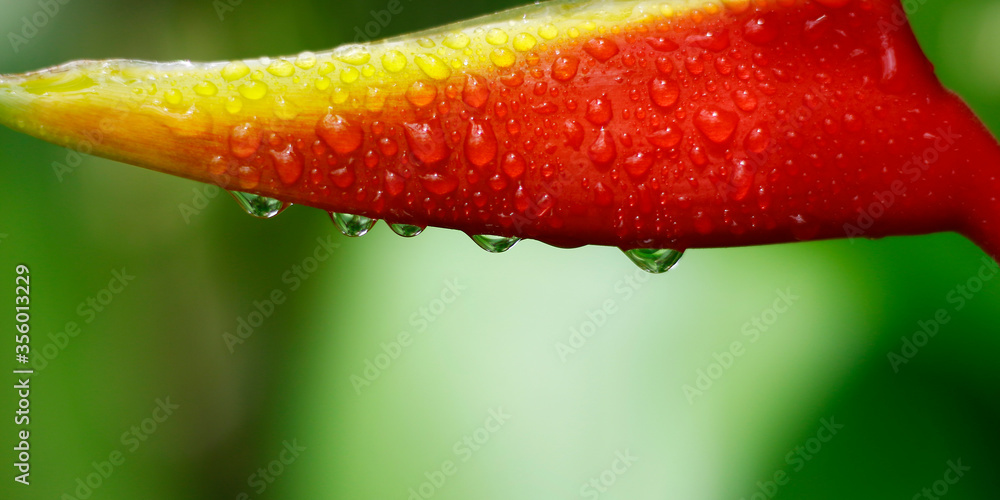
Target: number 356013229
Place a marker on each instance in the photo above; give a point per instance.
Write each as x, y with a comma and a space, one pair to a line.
22, 302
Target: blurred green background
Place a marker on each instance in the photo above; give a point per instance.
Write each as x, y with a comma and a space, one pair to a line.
494, 348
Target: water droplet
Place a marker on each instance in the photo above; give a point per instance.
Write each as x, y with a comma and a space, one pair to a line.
496, 36
716, 41
352, 225
253, 90
564, 68
235, 70
306, 60
694, 65
638, 164
439, 183
206, 89
393, 61
456, 41
741, 180
662, 44
259, 206
244, 140
548, 31
288, 164
513, 165
281, 68
421, 93
573, 132
407, 230
476, 91
892, 79
426, 141
341, 135
716, 123
480, 143
524, 42
433, 66
664, 92
354, 54
599, 110
503, 57
494, 244
745, 100
603, 151
600, 48
655, 261
349, 74
760, 30
669, 137
174, 97
758, 139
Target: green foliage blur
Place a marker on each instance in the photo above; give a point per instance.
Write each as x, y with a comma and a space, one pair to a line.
486, 336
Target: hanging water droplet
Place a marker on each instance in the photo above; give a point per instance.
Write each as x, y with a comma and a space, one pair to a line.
654, 260
259, 206
407, 230
494, 244
352, 225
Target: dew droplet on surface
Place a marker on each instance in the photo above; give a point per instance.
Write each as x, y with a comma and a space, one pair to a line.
745, 100
288, 164
599, 111
758, 139
548, 31
496, 36
524, 42
602, 151
494, 244
664, 92
564, 68
456, 41
281, 68
601, 48
760, 30
662, 44
476, 91
433, 66
503, 57
438, 183
638, 164
513, 165
669, 137
393, 61
253, 90
427, 141
339, 134
244, 140
716, 123
235, 70
306, 60
355, 55
480, 143
206, 89
421, 93
407, 230
259, 206
352, 225
655, 261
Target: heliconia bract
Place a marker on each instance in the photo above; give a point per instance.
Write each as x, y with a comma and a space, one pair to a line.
650, 126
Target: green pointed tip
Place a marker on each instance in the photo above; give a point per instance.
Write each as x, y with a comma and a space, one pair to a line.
656, 261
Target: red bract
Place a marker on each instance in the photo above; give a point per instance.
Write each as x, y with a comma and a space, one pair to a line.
632, 124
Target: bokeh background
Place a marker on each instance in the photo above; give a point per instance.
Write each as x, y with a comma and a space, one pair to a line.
493, 348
